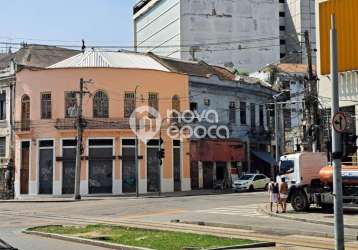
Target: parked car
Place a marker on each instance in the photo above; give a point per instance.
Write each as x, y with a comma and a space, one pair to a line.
251, 182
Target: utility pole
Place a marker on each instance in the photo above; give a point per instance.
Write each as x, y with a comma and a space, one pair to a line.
136, 145
160, 161
336, 146
277, 121
312, 97
276, 130
80, 126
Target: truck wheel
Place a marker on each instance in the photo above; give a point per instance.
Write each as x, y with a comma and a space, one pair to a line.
327, 207
299, 201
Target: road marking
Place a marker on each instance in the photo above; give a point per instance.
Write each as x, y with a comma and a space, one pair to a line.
241, 210
146, 214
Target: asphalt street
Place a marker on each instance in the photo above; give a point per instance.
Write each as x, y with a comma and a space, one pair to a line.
238, 209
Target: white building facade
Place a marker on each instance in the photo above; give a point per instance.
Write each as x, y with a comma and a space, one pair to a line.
239, 34
7, 80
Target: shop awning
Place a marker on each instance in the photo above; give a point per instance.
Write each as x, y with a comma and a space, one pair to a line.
265, 156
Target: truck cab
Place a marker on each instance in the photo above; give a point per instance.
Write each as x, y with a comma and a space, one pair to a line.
301, 172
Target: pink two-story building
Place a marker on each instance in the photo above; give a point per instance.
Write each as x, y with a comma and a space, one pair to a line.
45, 133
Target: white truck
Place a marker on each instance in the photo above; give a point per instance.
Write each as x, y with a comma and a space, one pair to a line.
310, 181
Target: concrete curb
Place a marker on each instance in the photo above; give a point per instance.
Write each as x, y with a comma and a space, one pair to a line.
282, 216
126, 247
109, 197
253, 245
264, 231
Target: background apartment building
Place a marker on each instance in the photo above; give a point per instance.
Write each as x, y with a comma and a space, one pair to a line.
245, 35
297, 16
239, 34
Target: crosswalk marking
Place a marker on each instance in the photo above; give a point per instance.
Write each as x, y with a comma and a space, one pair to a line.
240, 210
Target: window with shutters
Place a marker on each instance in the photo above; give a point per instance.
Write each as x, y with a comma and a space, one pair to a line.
3, 106
129, 104
261, 115
253, 115
2, 146
232, 112
243, 113
25, 112
153, 102
46, 106
70, 104
100, 105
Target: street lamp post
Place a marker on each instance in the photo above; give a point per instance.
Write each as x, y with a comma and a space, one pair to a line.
336, 145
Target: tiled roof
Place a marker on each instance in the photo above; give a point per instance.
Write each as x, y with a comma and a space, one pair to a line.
90, 59
38, 56
294, 68
194, 68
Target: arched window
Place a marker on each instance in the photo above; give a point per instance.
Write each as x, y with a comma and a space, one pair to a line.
25, 112
100, 105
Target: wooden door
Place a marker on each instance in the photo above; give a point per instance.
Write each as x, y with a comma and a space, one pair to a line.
194, 175
25, 166
208, 175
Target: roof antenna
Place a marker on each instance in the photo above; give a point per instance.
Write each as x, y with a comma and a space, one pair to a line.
83, 46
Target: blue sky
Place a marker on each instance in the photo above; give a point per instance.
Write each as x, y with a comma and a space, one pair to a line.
100, 21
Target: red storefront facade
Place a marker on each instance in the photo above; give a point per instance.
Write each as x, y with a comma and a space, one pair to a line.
215, 162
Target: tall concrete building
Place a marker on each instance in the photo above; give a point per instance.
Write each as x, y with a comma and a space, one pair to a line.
242, 34
297, 16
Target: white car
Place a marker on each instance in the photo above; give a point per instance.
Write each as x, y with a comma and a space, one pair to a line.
251, 182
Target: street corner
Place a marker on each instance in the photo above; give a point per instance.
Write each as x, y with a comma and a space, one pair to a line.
313, 215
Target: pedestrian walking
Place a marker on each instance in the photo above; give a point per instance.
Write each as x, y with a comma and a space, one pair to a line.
283, 194
273, 191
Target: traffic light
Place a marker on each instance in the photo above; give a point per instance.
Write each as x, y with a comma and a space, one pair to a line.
161, 153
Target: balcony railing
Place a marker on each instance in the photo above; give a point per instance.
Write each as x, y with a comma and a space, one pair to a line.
23, 126
93, 123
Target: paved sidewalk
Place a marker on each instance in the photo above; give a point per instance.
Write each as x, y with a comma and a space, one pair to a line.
69, 198
315, 215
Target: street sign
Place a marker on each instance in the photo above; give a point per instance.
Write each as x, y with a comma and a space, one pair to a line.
339, 122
